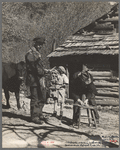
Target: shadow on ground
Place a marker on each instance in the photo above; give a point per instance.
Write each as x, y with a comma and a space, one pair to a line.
49, 129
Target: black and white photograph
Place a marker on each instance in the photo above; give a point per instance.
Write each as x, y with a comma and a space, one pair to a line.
60, 74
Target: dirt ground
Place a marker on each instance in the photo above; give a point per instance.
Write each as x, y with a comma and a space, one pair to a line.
19, 132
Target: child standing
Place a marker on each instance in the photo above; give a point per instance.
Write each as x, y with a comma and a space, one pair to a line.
59, 89
63, 81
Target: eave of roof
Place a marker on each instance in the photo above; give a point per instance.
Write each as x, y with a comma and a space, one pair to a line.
106, 45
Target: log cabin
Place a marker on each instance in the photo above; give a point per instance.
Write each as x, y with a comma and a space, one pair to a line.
97, 46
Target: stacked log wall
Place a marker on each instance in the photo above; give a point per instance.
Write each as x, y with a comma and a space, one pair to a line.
109, 24
107, 85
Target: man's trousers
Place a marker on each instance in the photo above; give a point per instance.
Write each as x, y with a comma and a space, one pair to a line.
37, 103
91, 101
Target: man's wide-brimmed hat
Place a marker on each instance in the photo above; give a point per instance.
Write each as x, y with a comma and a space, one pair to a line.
39, 40
83, 72
84, 75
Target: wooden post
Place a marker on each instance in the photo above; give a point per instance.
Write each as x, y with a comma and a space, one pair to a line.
54, 45
88, 113
67, 72
79, 117
94, 118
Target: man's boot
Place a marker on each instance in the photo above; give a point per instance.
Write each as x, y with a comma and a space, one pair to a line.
61, 115
37, 120
55, 108
41, 116
54, 113
35, 114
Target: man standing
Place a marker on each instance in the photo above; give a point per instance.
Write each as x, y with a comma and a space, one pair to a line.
35, 72
83, 86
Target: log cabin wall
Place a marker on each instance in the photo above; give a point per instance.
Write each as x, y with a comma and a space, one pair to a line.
96, 45
106, 80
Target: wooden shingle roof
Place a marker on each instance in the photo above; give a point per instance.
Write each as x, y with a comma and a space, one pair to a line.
100, 37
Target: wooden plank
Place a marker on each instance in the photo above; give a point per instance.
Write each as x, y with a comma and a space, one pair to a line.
99, 36
101, 78
80, 38
106, 98
68, 45
104, 32
112, 43
103, 84
112, 38
97, 47
90, 39
78, 44
113, 94
101, 73
113, 19
84, 44
115, 79
104, 47
114, 47
112, 89
107, 103
84, 106
104, 26
88, 33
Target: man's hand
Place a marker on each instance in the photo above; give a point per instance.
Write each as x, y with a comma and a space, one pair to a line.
80, 101
86, 102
